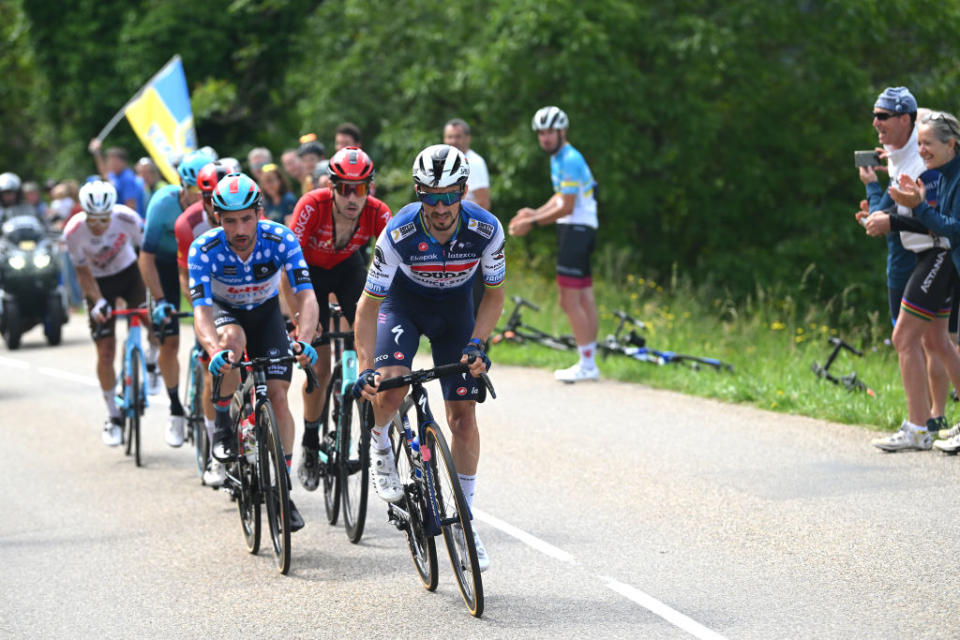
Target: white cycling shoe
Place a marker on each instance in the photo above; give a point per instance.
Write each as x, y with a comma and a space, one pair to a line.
215, 474
174, 433
154, 382
577, 373
112, 433
386, 480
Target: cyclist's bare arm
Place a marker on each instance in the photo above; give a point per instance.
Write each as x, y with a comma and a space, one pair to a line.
184, 278
88, 283
365, 331
148, 271
305, 301
205, 329
491, 306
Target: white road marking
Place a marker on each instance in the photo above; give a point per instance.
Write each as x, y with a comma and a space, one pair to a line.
13, 362
646, 601
66, 375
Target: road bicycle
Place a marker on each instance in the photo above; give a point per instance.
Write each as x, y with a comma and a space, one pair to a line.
518, 332
634, 346
258, 475
433, 501
344, 453
131, 384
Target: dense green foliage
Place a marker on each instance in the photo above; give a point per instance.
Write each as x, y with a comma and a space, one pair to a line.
720, 132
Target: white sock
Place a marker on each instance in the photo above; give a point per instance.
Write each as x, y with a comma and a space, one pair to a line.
152, 353
381, 436
587, 352
916, 427
210, 425
469, 486
110, 398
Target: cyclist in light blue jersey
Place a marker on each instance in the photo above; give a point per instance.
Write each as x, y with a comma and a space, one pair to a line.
573, 208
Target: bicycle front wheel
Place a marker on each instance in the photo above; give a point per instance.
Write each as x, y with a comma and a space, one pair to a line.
248, 502
422, 545
455, 520
354, 454
273, 480
329, 419
198, 429
135, 405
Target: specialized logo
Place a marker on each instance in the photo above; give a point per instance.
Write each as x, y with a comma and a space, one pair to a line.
397, 331
484, 229
398, 355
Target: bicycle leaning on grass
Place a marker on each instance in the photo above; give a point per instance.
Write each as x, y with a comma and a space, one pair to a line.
634, 346
516, 331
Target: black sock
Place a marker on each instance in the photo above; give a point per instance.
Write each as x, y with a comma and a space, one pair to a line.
311, 434
222, 420
176, 409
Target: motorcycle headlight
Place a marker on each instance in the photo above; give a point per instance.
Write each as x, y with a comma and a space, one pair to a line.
17, 262
41, 260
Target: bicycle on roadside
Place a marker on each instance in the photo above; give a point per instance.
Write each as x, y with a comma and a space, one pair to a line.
132, 382
344, 453
518, 332
433, 501
634, 346
258, 475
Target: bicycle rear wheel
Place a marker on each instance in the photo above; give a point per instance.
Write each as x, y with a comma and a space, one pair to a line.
455, 519
354, 449
329, 420
197, 427
273, 480
422, 545
136, 410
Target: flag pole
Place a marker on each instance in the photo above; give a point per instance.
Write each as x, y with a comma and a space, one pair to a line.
123, 110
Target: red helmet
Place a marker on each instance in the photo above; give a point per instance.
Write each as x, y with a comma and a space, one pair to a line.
350, 163
210, 175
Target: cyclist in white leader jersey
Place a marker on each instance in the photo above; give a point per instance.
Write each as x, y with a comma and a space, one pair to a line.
235, 272
422, 273
573, 208
101, 242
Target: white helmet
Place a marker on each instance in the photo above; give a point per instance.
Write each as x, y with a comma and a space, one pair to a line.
440, 165
9, 182
98, 197
232, 164
550, 118
209, 151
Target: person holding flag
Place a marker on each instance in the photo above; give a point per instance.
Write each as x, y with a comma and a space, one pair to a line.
115, 170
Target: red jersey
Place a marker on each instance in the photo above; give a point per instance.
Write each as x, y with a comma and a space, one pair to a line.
190, 225
313, 225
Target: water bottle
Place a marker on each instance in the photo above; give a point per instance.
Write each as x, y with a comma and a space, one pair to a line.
248, 438
348, 369
414, 444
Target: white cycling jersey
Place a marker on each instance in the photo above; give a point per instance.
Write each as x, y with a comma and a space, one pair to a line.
106, 254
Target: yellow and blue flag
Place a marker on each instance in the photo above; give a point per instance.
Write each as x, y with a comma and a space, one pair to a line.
162, 118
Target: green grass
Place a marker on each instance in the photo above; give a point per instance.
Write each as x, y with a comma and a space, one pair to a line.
771, 343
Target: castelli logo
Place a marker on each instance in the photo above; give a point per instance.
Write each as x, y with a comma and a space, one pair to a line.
461, 391
422, 246
398, 355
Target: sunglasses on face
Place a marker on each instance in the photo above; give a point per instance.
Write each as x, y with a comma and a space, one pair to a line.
886, 116
433, 199
345, 189
101, 219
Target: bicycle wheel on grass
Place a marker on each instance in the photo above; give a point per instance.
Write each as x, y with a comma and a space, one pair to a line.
328, 441
273, 480
354, 449
422, 545
455, 518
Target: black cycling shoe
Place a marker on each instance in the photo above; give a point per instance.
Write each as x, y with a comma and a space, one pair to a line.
296, 520
309, 469
224, 444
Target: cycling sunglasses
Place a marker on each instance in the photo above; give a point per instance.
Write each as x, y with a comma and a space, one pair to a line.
886, 116
433, 199
344, 189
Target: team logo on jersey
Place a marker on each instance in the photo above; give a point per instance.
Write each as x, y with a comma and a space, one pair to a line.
484, 229
210, 245
398, 355
378, 258
402, 232
498, 254
301, 276
461, 391
272, 236
381, 318
196, 292
230, 270
264, 270
423, 246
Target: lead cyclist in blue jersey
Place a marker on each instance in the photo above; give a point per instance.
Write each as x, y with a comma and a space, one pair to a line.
421, 283
235, 272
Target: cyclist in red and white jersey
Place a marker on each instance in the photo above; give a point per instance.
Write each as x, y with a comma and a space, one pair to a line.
332, 224
102, 241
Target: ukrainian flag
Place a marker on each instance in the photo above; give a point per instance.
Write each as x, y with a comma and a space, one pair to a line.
161, 116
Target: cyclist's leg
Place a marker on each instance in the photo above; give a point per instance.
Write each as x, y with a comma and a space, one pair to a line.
231, 336
267, 337
169, 350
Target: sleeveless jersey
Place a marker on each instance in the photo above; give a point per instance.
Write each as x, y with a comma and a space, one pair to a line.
218, 274
191, 224
571, 175
313, 225
106, 254
408, 257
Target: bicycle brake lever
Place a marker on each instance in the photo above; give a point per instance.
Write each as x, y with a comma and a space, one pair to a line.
485, 379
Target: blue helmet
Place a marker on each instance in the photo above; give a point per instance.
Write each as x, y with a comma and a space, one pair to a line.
235, 192
190, 166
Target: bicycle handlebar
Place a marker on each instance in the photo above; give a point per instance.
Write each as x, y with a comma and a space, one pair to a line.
263, 363
425, 375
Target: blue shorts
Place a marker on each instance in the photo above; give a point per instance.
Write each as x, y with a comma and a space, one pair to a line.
448, 323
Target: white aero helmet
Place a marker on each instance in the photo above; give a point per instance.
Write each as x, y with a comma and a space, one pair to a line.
550, 118
9, 182
98, 197
440, 165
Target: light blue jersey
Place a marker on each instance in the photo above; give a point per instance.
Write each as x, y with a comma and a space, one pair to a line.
571, 175
162, 213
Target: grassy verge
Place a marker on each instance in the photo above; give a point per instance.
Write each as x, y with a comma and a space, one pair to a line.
771, 343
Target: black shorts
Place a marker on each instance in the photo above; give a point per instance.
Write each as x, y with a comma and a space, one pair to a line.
574, 246
346, 281
127, 285
265, 330
930, 286
170, 283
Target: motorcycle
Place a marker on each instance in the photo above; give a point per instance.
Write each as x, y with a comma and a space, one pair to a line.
30, 290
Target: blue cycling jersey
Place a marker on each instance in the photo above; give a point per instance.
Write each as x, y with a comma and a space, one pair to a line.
571, 175
407, 256
162, 212
217, 274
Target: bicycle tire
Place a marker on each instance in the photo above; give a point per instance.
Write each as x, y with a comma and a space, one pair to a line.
248, 503
422, 545
452, 506
137, 410
354, 467
198, 429
273, 480
329, 419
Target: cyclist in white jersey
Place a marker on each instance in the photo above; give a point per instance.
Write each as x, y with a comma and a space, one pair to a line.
101, 241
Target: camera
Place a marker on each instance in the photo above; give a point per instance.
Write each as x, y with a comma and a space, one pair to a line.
866, 158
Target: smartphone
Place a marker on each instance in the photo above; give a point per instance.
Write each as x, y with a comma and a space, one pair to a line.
866, 159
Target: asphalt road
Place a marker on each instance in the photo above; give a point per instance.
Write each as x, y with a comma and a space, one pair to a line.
609, 510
